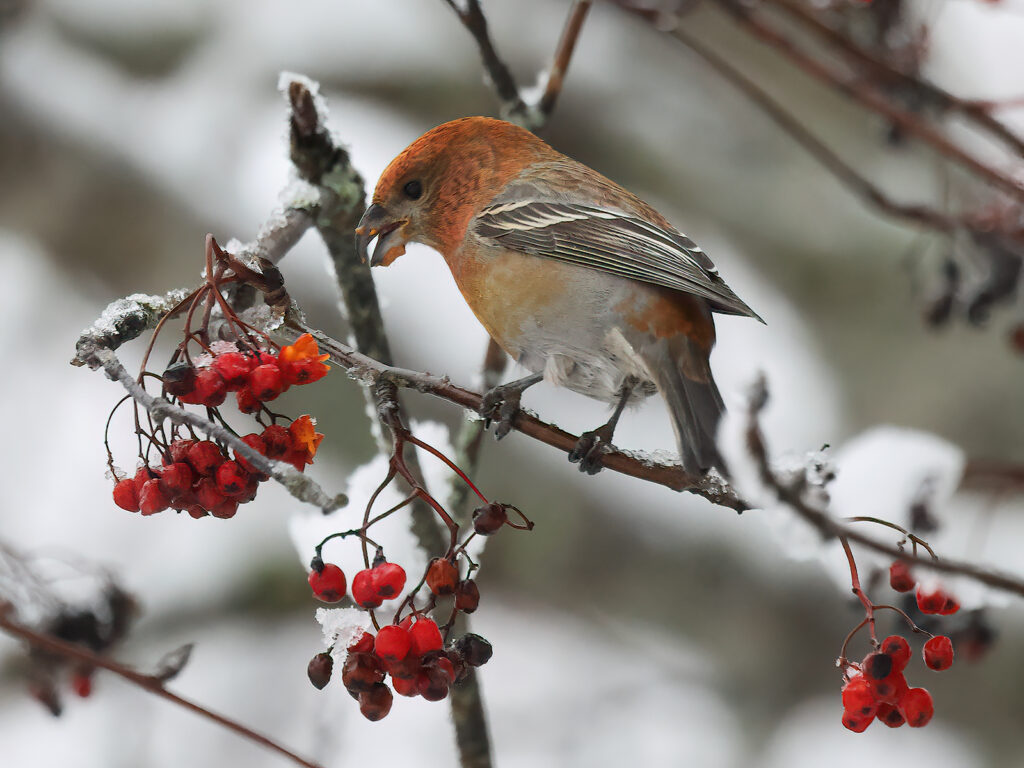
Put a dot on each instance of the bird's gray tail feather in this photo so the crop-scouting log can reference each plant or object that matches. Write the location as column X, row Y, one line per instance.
column 684, row 380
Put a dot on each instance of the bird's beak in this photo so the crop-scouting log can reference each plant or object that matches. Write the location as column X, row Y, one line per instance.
column 378, row 223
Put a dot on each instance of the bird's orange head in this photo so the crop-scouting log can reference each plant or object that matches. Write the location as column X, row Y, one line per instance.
column 429, row 193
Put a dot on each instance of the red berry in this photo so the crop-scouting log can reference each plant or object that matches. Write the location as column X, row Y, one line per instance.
column 364, row 643
column 876, row 666
column 177, row 478
column 917, row 707
column 329, row 584
column 225, row 510
column 231, row 478
column 432, row 683
column 142, row 476
column 247, row 402
column 488, row 519
column 265, row 382
column 950, row 607
column 890, row 715
column 178, row 450
column 210, row 389
column 152, row 498
column 425, row 636
column 900, row 578
column 81, row 684
column 856, row 723
column 319, row 670
column 388, row 579
column 858, row 698
column 361, row 672
column 233, row 367
column 938, row 653
column 205, row 457
column 363, row 591
column 405, row 686
column 890, row 689
column 375, row 703
column 931, row 601
column 255, row 442
column 125, row 496
column 392, row 643
column 277, row 440
column 898, row 649
column 208, row 496
column 467, row 596
column 442, row 576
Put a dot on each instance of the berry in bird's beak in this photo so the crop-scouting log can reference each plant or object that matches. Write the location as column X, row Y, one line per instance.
column 377, row 223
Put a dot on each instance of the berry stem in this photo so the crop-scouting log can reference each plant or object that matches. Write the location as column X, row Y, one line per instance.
column 869, row 608
column 451, row 465
column 915, row 540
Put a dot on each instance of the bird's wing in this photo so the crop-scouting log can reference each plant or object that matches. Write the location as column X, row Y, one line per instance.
column 610, row 241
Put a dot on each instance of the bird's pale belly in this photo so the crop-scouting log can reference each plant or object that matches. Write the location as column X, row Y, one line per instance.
column 559, row 319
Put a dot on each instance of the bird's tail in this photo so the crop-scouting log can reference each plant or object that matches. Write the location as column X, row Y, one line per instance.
column 683, row 376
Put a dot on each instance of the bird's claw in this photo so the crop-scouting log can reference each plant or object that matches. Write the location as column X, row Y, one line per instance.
column 500, row 405
column 590, row 449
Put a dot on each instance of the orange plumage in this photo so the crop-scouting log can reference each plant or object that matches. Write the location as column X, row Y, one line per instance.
column 575, row 277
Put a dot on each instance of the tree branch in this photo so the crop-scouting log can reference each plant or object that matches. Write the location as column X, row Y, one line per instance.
column 150, row 683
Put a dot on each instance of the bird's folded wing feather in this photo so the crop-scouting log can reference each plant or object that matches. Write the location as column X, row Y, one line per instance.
column 610, row 241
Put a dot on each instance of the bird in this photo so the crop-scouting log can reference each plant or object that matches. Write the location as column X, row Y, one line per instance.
column 580, row 281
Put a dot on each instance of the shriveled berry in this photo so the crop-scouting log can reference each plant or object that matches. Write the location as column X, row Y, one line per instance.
column 205, row 456
column 319, row 670
column 231, row 478
column 277, row 440
column 375, row 703
column 856, row 723
column 442, row 576
column 363, row 643
column 363, row 591
column 467, row 596
column 177, row 478
column 388, row 579
column 898, row 649
column 361, row 671
column 877, row 666
column 179, row 379
column 459, row 666
column 938, row 653
column 125, row 495
column 152, row 498
column 233, row 367
column 474, row 649
column 930, row 601
column 858, row 698
column 225, row 509
column 265, row 382
column 424, row 636
column 247, row 402
column 404, row 669
column 900, row 578
column 917, row 707
column 392, row 643
column 328, row 584
column 432, row 684
column 488, row 519
column 890, row 715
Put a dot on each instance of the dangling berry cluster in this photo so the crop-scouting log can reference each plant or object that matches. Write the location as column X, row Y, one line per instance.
column 202, row 478
column 411, row 649
column 933, row 599
column 877, row 689
column 413, row 653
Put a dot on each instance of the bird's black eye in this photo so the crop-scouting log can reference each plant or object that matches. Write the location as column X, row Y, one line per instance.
column 413, row 189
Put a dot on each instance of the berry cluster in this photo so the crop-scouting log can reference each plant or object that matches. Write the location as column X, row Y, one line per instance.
column 876, row 688
column 411, row 648
column 413, row 653
column 933, row 600
column 201, row 478
column 255, row 376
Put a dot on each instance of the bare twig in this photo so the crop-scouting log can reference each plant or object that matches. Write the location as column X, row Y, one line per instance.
column 833, row 529
column 151, row 683
column 563, row 55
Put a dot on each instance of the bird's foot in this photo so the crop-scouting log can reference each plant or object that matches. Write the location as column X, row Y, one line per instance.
column 500, row 405
column 590, row 449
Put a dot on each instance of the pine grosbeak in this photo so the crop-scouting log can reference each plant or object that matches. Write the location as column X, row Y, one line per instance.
column 580, row 281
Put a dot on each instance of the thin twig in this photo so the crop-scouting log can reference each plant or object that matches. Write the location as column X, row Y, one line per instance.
column 152, row 684
column 563, row 55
